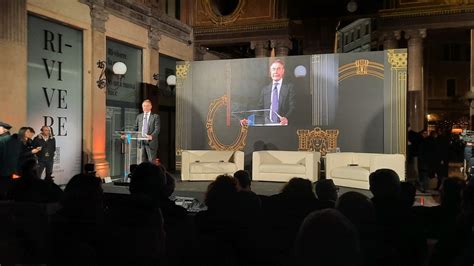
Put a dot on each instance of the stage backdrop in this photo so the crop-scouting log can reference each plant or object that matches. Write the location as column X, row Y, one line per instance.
column 360, row 94
column 55, row 90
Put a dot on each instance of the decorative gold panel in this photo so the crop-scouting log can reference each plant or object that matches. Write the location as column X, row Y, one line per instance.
column 361, row 67
column 214, row 142
column 317, row 140
column 397, row 60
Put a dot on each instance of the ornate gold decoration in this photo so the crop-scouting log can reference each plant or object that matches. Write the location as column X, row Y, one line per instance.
column 421, row 11
column 317, row 140
column 361, row 67
column 223, row 20
column 214, row 142
column 397, row 60
column 182, row 70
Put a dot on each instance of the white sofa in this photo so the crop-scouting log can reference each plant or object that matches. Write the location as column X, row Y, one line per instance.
column 207, row 165
column 281, row 166
column 350, row 169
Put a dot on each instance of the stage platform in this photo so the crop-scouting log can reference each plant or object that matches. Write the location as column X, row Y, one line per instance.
column 197, row 190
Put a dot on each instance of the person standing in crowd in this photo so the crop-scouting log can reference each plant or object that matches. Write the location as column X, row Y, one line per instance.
column 9, row 153
column 27, row 150
column 8, row 156
column 47, row 142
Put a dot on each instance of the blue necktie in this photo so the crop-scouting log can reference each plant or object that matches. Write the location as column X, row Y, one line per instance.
column 145, row 125
column 274, row 109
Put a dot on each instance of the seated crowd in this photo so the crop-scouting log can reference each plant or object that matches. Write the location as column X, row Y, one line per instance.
column 304, row 224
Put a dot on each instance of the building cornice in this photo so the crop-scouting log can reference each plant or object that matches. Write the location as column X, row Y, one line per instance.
column 423, row 11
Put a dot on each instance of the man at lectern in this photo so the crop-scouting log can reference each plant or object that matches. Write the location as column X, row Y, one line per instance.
column 278, row 96
column 149, row 125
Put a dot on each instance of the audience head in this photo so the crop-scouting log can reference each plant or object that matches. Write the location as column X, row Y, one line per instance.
column 407, row 194
column 243, row 180
column 4, row 127
column 384, row 183
column 46, row 131
column 148, row 180
column 89, row 169
column 24, row 134
column 451, row 192
column 326, row 189
column 357, row 208
column 84, row 193
column 133, row 167
column 328, row 238
column 298, row 188
column 221, row 193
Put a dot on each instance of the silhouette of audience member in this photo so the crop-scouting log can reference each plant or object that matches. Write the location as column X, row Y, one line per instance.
column 136, row 223
column 326, row 191
column 77, row 227
column 327, row 238
column 441, row 220
column 407, row 194
column 283, row 215
column 391, row 215
column 360, row 211
column 30, row 188
column 9, row 155
column 249, row 202
column 243, row 180
column 89, row 169
column 457, row 247
column 218, row 226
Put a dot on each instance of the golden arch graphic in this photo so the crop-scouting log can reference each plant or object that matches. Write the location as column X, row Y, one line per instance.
column 361, row 67
column 214, row 143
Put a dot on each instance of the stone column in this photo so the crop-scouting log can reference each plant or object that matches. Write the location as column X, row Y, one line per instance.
column 98, row 106
column 282, row 46
column 13, row 67
column 415, row 96
column 471, row 110
column 261, row 48
column 153, row 43
column 390, row 39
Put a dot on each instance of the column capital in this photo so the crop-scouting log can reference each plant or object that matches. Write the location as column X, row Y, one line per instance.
column 415, row 34
column 284, row 43
column 98, row 16
column 261, row 48
column 154, row 37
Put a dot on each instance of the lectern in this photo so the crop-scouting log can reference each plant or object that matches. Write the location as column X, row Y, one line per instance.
column 130, row 137
column 258, row 117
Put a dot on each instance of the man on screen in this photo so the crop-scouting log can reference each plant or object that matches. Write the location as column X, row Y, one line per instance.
column 278, row 96
column 149, row 125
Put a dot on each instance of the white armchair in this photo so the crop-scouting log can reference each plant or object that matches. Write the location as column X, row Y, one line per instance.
column 281, row 166
column 350, row 169
column 207, row 165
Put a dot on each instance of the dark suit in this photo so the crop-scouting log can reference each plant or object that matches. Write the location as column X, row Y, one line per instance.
column 149, row 147
column 286, row 100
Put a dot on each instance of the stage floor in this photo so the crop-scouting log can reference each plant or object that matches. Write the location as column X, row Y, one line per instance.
column 197, row 189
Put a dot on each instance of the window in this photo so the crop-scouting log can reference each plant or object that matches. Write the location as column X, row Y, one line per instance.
column 173, row 8
column 358, row 33
column 451, row 87
column 367, row 29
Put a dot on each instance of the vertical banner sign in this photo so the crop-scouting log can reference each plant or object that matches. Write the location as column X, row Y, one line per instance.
column 55, row 90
